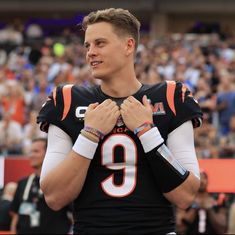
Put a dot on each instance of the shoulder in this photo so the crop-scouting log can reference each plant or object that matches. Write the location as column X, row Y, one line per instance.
column 59, row 103
column 174, row 104
column 21, row 184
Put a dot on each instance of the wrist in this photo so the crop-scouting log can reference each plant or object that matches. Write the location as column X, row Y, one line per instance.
column 99, row 134
column 143, row 128
column 85, row 147
column 151, row 139
column 90, row 136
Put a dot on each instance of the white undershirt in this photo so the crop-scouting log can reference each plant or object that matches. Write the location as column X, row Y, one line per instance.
column 180, row 142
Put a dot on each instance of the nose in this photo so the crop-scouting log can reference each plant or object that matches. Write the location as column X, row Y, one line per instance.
column 91, row 51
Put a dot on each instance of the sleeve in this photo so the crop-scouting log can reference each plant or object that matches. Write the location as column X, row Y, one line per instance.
column 182, row 104
column 56, row 108
column 183, row 148
column 59, row 144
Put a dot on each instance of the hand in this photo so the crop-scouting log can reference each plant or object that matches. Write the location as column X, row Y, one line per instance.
column 102, row 117
column 134, row 113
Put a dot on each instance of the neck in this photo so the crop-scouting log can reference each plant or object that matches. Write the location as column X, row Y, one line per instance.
column 121, row 86
column 37, row 171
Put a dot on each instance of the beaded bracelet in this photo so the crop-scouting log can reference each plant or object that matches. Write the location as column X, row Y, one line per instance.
column 94, row 131
column 90, row 136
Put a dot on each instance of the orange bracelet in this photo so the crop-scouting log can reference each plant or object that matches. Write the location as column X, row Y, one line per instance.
column 143, row 128
column 147, row 128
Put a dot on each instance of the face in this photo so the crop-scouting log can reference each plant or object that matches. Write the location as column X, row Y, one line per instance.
column 107, row 53
column 37, row 154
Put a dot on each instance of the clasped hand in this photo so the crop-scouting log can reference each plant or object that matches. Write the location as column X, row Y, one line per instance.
column 104, row 116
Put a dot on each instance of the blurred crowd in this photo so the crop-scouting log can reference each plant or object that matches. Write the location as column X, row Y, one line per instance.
column 32, row 64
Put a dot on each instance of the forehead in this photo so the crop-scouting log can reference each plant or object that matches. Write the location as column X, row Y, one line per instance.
column 99, row 30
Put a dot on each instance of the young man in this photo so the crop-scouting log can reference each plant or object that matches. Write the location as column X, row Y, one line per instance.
column 122, row 151
column 30, row 213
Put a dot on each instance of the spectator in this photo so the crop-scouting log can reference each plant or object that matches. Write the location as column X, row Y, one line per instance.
column 5, row 202
column 206, row 215
column 31, row 131
column 14, row 102
column 227, row 143
column 11, row 135
column 31, row 215
column 41, row 92
column 225, row 103
column 206, row 140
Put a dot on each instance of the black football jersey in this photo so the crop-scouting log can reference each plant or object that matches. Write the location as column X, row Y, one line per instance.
column 120, row 195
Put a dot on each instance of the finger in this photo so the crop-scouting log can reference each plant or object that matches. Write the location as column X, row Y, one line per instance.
column 117, row 114
column 145, row 101
column 92, row 106
column 132, row 99
column 122, row 112
column 115, row 108
column 106, row 102
column 123, row 106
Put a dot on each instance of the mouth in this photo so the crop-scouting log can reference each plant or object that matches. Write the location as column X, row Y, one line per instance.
column 95, row 64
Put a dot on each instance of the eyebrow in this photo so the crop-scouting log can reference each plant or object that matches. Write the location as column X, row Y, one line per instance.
column 96, row 40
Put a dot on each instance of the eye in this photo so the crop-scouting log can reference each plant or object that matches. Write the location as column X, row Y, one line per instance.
column 100, row 43
column 87, row 46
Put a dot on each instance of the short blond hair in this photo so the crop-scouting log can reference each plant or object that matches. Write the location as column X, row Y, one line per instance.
column 123, row 22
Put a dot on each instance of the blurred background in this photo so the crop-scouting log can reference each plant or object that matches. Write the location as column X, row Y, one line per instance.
column 41, row 46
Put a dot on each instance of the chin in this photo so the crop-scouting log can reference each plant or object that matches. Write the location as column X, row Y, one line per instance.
column 99, row 75
column 96, row 75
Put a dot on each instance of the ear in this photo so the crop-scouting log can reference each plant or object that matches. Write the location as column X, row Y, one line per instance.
column 130, row 46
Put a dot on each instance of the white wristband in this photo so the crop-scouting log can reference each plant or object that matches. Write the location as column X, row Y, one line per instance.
column 85, row 147
column 151, row 139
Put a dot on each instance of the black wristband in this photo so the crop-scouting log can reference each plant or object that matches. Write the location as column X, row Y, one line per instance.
column 166, row 170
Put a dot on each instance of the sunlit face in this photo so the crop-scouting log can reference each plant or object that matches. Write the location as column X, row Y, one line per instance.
column 107, row 52
column 37, row 154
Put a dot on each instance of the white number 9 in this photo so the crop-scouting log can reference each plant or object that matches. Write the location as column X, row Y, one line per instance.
column 128, row 166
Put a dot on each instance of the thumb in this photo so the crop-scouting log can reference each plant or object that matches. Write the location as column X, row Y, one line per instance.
column 145, row 101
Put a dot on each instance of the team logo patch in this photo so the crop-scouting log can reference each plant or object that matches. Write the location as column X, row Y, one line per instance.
column 158, row 109
column 80, row 112
column 119, row 121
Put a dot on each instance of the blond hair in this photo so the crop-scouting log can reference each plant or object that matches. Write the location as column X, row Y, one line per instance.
column 123, row 22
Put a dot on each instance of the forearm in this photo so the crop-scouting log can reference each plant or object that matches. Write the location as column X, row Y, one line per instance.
column 64, row 170
column 174, row 168
column 14, row 222
column 64, row 183
column 178, row 184
column 184, row 194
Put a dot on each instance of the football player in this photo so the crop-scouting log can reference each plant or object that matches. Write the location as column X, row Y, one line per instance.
column 122, row 151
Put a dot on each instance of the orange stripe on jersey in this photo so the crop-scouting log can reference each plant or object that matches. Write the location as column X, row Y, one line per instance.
column 54, row 95
column 170, row 93
column 184, row 89
column 67, row 99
